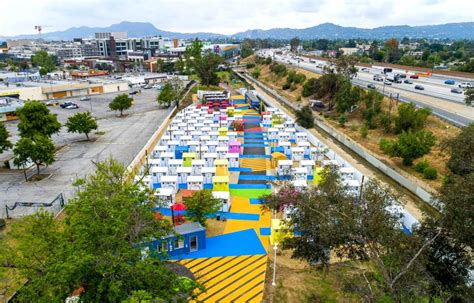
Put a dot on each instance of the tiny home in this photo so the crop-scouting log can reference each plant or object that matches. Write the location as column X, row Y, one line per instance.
column 289, row 124
column 235, row 147
column 191, row 237
column 330, row 163
column 352, row 186
column 197, row 165
column 284, row 168
column 188, row 158
column 267, row 120
column 172, row 146
column 208, row 173
column 309, row 165
column 272, row 134
column 214, row 127
column 165, row 197
column 224, row 196
column 165, row 158
column 213, row 135
column 221, row 151
column 233, row 159
column 232, row 136
column 292, row 133
column 180, row 150
column 301, row 137
column 283, row 137
column 196, row 135
column 347, row 173
column 183, row 174
column 220, row 183
column 157, row 172
column 185, row 139
column 173, row 165
column 297, row 153
column 223, row 141
column 193, row 146
column 300, row 173
column 212, row 145
column 158, row 150
column 195, row 182
column 306, row 146
column 210, row 158
column 222, row 167
column 170, row 182
column 300, row 185
column 286, row 148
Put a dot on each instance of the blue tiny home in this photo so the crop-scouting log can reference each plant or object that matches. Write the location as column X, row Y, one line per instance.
column 180, row 150
column 191, row 237
column 252, row 100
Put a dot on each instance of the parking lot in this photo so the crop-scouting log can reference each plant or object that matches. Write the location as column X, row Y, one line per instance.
column 119, row 137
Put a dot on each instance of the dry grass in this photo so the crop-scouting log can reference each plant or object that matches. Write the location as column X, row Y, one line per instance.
column 214, row 228
column 442, row 131
column 298, row 282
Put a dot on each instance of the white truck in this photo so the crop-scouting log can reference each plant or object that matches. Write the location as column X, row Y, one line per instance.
column 392, row 77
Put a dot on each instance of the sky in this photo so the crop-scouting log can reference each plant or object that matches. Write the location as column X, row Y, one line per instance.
column 227, row 16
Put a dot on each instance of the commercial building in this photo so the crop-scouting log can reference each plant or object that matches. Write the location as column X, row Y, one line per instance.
column 8, row 107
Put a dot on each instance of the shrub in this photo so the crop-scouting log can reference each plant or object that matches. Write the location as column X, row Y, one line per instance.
column 268, row 60
column 364, row 131
column 421, row 166
column 353, row 127
column 409, row 146
column 385, row 122
column 298, row 99
column 410, row 117
column 430, row 173
column 278, row 69
column 342, row 119
column 304, row 117
column 250, row 65
column 310, row 87
column 286, row 86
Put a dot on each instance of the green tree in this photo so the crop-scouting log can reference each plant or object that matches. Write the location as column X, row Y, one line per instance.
column 469, row 95
column 166, row 96
column 330, row 223
column 304, row 117
column 39, row 150
column 343, row 65
column 256, row 72
column 393, row 52
column 373, row 107
column 201, row 205
column 44, row 61
column 4, row 142
column 99, row 246
column 246, row 48
column 294, row 43
column 206, row 68
column 36, row 119
column 409, row 146
column 328, row 86
column 410, row 117
column 82, row 123
column 461, row 147
column 347, row 97
column 121, row 103
column 310, row 87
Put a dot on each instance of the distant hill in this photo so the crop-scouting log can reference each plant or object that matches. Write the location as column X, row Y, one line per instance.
column 463, row 30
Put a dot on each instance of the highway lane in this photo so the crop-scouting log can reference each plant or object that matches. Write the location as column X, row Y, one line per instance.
column 447, row 107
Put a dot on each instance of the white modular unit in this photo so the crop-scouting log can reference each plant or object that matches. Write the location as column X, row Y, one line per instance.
column 283, row 136
column 158, row 150
column 289, row 123
column 300, row 173
column 197, row 165
column 204, row 139
column 352, row 186
column 195, row 182
column 286, row 147
column 165, row 158
column 214, row 135
column 176, row 135
column 173, row 166
column 224, row 196
column 272, row 134
column 292, row 133
column 214, row 127
column 165, row 196
column 212, row 145
column 297, row 153
column 230, row 121
column 330, row 163
column 223, row 141
column 301, row 137
column 208, row 173
column 183, row 174
column 306, row 146
column 170, row 182
column 284, row 167
column 221, row 152
column 347, row 173
column 232, row 136
column 157, row 173
column 184, row 140
column 267, row 120
column 199, row 126
column 300, row 185
column 196, row 135
column 210, row 158
column 206, row 130
column 309, row 165
column 172, row 146
column 193, row 146
column 233, row 159
column 154, row 162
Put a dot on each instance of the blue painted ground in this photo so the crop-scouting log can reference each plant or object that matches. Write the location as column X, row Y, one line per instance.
column 240, row 243
column 256, row 141
column 265, row 231
column 250, row 186
column 240, row 169
column 254, row 145
column 255, row 201
column 229, row 216
column 257, row 177
column 255, row 156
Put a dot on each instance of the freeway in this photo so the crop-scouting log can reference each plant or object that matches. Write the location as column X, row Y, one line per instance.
column 436, row 95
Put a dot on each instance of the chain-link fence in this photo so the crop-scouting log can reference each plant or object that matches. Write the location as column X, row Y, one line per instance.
column 20, row 209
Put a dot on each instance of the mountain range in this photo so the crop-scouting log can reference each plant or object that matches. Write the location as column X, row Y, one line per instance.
column 464, row 30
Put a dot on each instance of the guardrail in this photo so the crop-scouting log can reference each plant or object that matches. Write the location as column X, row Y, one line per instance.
column 416, row 189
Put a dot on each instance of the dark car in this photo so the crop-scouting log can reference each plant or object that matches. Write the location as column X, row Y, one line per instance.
column 402, row 76
column 69, row 105
column 407, row 81
column 133, row 93
column 456, row 90
column 419, row 87
column 414, row 77
column 371, row 86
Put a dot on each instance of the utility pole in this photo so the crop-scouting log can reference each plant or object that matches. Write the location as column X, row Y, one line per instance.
column 274, row 264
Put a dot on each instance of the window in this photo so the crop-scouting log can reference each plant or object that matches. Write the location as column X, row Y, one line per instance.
column 178, row 243
column 164, row 246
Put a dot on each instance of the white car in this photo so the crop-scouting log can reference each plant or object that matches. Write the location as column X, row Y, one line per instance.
column 386, row 82
column 465, row 85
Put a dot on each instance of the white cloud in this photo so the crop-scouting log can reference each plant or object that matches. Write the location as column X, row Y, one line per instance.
column 227, row 16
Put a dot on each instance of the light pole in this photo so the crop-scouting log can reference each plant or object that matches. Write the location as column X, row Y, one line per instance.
column 274, row 264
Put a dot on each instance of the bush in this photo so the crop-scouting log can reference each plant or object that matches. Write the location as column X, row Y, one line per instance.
column 421, row 166
column 364, row 131
column 342, row 119
column 310, row 87
column 304, row 117
column 410, row 117
column 385, row 122
column 298, row 99
column 250, row 65
column 278, row 69
column 430, row 173
column 409, row 146
column 268, row 60
column 286, row 86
